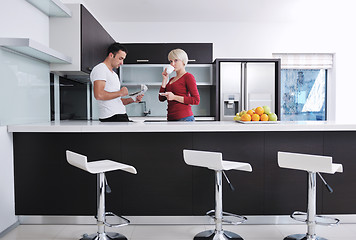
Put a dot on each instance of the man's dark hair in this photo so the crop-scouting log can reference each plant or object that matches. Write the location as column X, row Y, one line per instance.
column 115, row 47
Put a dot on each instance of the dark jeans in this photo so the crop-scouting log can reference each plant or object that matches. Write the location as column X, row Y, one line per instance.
column 116, row 118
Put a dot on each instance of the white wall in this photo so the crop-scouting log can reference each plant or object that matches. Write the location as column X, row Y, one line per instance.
column 18, row 18
column 7, row 204
column 311, row 26
column 20, row 78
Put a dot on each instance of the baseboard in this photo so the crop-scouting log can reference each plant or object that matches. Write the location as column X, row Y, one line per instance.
column 202, row 220
column 13, row 226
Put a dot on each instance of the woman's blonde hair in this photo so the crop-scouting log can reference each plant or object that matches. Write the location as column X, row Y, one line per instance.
column 178, row 54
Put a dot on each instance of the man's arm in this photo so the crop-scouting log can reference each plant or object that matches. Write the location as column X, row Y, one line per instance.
column 126, row 101
column 101, row 94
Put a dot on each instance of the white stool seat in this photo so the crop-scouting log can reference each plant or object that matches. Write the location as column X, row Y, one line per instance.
column 213, row 160
column 80, row 161
column 306, row 162
column 313, row 164
column 99, row 168
column 229, row 165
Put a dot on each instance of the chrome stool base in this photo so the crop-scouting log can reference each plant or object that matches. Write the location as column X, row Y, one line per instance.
column 303, row 237
column 214, row 235
column 104, row 236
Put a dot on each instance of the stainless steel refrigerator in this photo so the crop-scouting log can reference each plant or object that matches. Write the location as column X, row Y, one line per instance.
column 243, row 84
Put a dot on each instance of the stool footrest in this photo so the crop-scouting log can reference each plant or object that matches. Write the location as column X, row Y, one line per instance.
column 239, row 219
column 321, row 220
column 125, row 220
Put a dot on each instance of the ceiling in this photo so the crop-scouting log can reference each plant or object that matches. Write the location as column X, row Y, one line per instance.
column 190, row 10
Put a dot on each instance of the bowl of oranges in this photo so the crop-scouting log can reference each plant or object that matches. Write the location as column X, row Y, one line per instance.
column 256, row 115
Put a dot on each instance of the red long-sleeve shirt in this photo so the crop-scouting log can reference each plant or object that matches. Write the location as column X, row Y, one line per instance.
column 186, row 87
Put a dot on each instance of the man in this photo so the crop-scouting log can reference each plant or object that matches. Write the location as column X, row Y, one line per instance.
column 106, row 85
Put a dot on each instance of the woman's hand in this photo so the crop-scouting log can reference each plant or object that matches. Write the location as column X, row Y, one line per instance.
column 169, row 95
column 165, row 78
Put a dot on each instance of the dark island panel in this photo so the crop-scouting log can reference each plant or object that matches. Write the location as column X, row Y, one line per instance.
column 163, row 184
column 286, row 189
column 45, row 184
column 341, row 146
column 247, row 198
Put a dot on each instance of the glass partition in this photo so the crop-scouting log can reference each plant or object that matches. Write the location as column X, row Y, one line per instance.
column 25, row 89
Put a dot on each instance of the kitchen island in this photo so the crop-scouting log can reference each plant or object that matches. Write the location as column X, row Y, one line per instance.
column 45, row 184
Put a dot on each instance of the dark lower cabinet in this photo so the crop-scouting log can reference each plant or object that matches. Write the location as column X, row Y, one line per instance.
column 248, row 195
column 163, row 184
column 45, row 184
column 341, row 146
column 286, row 189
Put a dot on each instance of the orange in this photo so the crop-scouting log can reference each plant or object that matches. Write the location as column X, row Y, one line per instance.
column 246, row 117
column 255, row 117
column 250, row 112
column 259, row 110
column 264, row 117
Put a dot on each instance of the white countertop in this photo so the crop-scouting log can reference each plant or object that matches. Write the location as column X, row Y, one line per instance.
column 198, row 126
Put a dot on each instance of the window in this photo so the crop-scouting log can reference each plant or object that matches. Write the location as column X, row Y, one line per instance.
column 304, row 86
column 303, row 94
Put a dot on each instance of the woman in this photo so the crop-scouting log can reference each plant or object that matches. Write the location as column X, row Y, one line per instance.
column 181, row 91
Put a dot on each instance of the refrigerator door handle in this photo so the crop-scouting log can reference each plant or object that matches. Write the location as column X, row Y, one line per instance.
column 244, row 86
column 242, row 94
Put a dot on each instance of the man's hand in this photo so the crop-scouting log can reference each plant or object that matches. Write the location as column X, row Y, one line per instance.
column 123, row 91
column 138, row 98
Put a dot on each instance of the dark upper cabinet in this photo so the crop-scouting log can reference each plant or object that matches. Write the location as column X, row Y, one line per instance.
column 145, row 53
column 197, row 52
column 95, row 41
column 157, row 53
column 81, row 37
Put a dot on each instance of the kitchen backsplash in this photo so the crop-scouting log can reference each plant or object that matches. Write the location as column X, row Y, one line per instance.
column 152, row 107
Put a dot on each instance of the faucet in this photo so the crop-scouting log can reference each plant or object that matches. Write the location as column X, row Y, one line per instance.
column 145, row 111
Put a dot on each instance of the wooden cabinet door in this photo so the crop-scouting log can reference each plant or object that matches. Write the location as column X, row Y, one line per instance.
column 95, row 41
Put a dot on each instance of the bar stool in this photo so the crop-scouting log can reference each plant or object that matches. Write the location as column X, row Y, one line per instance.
column 213, row 161
column 313, row 164
column 99, row 168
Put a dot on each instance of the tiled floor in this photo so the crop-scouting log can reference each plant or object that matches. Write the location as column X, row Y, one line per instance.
column 177, row 232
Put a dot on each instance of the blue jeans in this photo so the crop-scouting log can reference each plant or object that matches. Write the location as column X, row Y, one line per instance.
column 187, row 119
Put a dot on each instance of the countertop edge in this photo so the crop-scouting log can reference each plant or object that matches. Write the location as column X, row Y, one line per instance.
column 218, row 126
